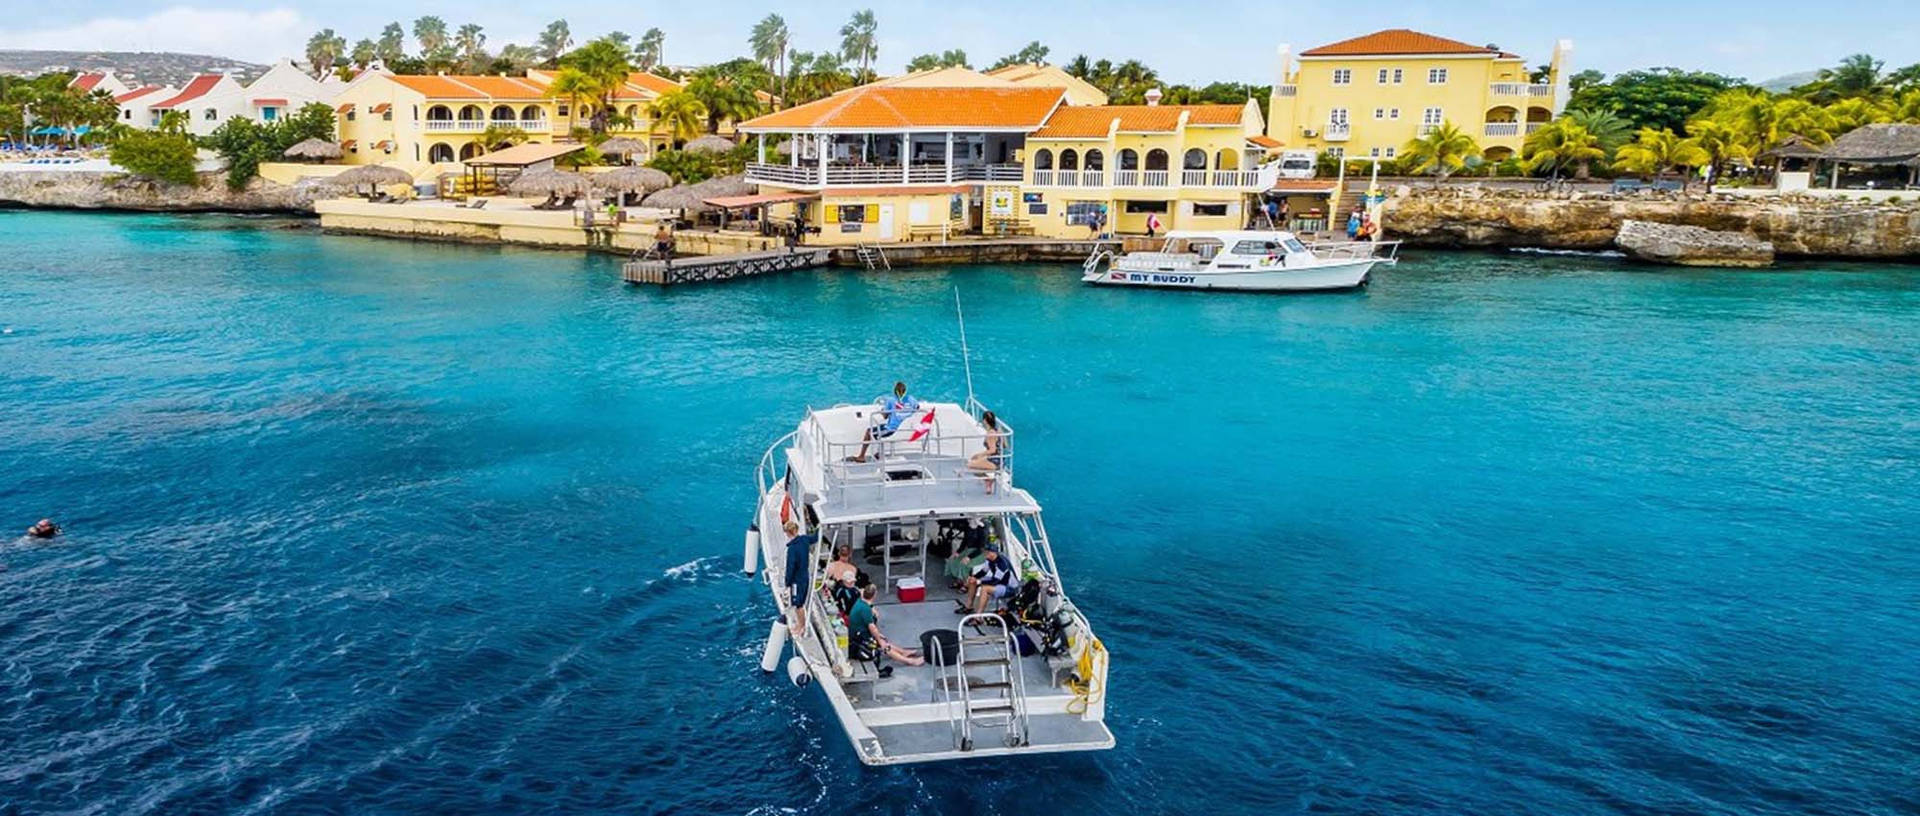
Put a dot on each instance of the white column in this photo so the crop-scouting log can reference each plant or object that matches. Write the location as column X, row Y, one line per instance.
column 793, row 149
column 949, row 157
column 906, row 158
column 760, row 148
column 822, row 138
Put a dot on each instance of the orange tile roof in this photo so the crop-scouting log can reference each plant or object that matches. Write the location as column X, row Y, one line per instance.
column 449, row 86
column 1259, row 140
column 85, row 82
column 199, row 87
column 880, row 107
column 652, row 83
column 1396, row 41
column 380, row 108
column 136, row 93
column 1093, row 121
column 344, row 108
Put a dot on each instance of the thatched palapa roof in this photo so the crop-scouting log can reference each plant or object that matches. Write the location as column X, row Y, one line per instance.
column 1792, row 147
column 709, row 144
column 622, row 146
column 375, row 174
column 549, row 182
column 692, row 197
column 1877, row 144
column 631, row 180
column 319, row 149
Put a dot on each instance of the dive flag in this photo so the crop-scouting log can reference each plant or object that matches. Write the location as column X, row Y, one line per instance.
column 922, row 426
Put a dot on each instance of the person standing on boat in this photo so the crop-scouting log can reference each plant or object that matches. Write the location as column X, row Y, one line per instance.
column 1353, row 224
column 893, row 411
column 798, row 572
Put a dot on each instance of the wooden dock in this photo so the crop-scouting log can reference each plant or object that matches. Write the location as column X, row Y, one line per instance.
column 709, row 268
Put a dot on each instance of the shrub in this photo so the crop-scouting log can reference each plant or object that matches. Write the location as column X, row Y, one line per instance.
column 684, row 166
column 245, row 143
column 155, row 154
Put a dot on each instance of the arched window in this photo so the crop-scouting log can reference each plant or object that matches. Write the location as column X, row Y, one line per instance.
column 439, row 113
column 471, row 113
column 469, row 150
column 1195, row 159
column 1129, row 160
column 502, row 113
column 1156, row 159
column 440, row 153
column 1226, row 160
column 633, row 112
column 212, row 115
column 1069, row 160
column 1043, row 159
column 1095, row 161
column 531, row 112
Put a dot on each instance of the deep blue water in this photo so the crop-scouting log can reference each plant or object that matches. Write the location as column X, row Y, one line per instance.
column 366, row 526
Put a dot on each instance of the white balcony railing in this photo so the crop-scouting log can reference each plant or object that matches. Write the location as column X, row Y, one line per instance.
column 1520, row 89
column 1339, row 131
column 1498, row 129
column 1286, row 90
column 1533, row 126
column 808, row 174
column 1126, row 178
column 1092, row 178
column 1067, row 178
column 1539, row 90
column 1154, row 178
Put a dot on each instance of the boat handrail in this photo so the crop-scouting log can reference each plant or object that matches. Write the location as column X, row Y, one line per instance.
column 1355, row 250
column 937, row 444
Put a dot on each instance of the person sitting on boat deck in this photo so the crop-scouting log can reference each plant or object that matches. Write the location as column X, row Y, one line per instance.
column 843, row 565
column 993, row 455
column 893, row 411
column 799, row 552
column 44, row 528
column 992, row 579
column 866, row 642
column 844, row 594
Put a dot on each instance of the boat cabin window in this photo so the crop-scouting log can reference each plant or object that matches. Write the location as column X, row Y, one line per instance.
column 1294, row 245
column 1256, row 248
column 1206, row 248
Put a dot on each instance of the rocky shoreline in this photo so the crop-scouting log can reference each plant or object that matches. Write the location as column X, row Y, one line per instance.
column 93, row 190
column 1797, row 226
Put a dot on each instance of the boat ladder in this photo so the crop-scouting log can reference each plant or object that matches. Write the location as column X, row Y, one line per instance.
column 1093, row 260
column 991, row 701
column 873, row 256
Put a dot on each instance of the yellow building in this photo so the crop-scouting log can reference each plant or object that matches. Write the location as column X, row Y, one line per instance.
column 1370, row 95
column 913, row 160
column 415, row 122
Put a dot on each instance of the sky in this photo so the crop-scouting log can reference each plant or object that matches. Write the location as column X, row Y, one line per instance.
column 1227, row 40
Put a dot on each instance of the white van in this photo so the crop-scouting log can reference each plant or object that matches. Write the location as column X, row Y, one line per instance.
column 1297, row 164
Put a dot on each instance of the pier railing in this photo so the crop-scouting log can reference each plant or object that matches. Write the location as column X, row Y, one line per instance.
column 810, row 175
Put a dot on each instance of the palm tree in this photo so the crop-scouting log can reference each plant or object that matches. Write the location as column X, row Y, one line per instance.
column 431, row 33
column 572, row 85
column 1608, row 127
column 1858, row 75
column 1560, row 144
column 859, row 43
column 1855, row 111
column 604, row 63
column 1907, row 109
column 497, row 136
column 1722, row 143
column 553, row 42
column 1657, row 151
column 392, row 44
column 364, row 53
column 1079, row 66
column 652, row 49
column 723, row 97
column 323, row 48
column 952, row 58
column 1440, row 151
column 769, row 41
column 679, row 115
column 471, row 43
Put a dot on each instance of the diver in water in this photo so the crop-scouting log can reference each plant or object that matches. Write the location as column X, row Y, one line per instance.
column 45, row 528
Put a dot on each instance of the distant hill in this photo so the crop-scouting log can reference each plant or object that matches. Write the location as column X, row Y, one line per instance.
column 1790, row 81
column 135, row 67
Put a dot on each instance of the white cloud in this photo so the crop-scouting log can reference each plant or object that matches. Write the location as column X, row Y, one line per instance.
column 254, row 36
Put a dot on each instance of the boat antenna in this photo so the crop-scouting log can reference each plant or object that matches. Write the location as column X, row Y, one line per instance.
column 966, row 357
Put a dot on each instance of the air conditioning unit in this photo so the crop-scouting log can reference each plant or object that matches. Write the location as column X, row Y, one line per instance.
column 1309, row 132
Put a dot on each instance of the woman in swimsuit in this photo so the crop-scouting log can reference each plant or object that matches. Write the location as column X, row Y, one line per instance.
column 993, row 455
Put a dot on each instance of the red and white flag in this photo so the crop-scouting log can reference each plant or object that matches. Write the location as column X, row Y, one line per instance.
column 922, row 426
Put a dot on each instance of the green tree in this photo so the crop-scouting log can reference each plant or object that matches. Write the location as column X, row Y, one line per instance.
column 154, row 154
column 431, row 33
column 685, row 167
column 1721, row 141
column 952, row 58
column 323, row 49
column 498, row 135
column 391, row 46
column 1661, row 98
column 1854, row 111
column 554, row 41
column 572, row 85
column 1032, row 53
column 860, row 42
column 1439, row 151
column 364, row 53
column 723, row 97
column 815, row 76
column 1606, row 126
column 604, row 63
column 1657, row 151
column 1856, row 76
column 651, row 50
column 679, row 115
column 1561, row 144
column 770, row 42
column 516, row 59
column 470, row 42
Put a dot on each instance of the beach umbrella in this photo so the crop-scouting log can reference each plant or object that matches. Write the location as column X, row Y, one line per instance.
column 709, row 144
column 549, row 182
column 623, row 146
column 631, row 180
column 374, row 174
column 317, row 149
column 726, row 187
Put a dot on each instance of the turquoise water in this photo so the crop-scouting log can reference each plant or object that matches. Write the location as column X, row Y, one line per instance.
column 380, row 527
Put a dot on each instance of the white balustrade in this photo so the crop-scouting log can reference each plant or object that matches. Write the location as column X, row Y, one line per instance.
column 1503, row 129
column 1154, row 178
column 1126, row 178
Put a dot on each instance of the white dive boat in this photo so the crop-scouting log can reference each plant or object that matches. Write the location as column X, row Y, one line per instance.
column 904, row 511
column 1243, row 260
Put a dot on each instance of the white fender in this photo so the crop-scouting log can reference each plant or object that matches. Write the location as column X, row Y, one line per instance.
column 753, row 549
column 797, row 671
column 776, row 642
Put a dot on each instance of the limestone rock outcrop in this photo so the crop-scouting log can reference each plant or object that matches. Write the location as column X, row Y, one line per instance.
column 120, row 191
column 1691, row 246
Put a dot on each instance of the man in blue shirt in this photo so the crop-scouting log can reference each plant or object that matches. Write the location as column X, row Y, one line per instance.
column 893, row 411
column 799, row 551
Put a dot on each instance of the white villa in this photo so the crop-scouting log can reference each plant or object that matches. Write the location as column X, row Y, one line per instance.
column 211, row 99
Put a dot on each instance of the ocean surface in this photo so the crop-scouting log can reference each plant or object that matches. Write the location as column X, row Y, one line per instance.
column 369, row 526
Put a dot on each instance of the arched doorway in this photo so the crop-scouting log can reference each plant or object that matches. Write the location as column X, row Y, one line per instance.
column 439, row 113
column 502, row 114
column 1227, row 159
column 1156, row 159
column 440, row 153
column 472, row 113
column 469, row 150
column 1069, row 160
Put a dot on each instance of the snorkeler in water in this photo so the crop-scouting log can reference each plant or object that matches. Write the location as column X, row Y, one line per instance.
column 44, row 528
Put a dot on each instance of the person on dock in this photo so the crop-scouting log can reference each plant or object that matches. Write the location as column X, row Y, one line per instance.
column 1153, row 224
column 1353, row 224
column 663, row 242
column 893, row 411
column 44, row 528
